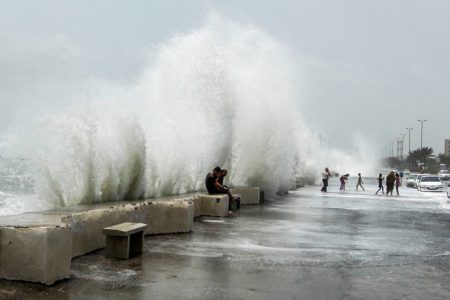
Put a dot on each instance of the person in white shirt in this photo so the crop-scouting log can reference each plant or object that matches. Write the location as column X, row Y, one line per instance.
column 325, row 176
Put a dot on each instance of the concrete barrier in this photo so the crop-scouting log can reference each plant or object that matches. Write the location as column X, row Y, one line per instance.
column 39, row 252
column 39, row 246
column 214, row 205
column 249, row 195
column 174, row 216
column 170, row 217
column 197, row 206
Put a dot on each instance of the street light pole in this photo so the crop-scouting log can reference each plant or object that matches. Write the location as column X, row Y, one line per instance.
column 403, row 142
column 392, row 148
column 398, row 147
column 409, row 139
column 409, row 145
column 421, row 132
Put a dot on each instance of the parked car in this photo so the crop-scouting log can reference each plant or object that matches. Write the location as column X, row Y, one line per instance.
column 417, row 180
column 410, row 179
column 444, row 175
column 430, row 183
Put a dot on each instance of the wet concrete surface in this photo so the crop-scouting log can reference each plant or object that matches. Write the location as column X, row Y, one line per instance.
column 306, row 245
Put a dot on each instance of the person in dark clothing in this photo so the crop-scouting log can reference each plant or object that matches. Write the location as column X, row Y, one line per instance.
column 221, row 177
column 390, row 181
column 380, row 184
column 211, row 182
column 214, row 187
column 236, row 200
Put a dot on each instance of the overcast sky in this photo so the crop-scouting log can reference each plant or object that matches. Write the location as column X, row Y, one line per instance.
column 372, row 67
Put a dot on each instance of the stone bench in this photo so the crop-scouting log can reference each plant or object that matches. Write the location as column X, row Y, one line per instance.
column 124, row 240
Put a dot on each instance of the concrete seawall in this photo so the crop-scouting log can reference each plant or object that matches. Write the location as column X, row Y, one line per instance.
column 161, row 216
column 35, row 249
column 39, row 246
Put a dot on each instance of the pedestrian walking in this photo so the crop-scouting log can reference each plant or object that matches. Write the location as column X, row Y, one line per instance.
column 390, row 182
column 325, row 175
column 360, row 182
column 397, row 183
column 380, row 184
column 343, row 181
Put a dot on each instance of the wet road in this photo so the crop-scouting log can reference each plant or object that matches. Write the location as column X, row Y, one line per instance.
column 307, row 245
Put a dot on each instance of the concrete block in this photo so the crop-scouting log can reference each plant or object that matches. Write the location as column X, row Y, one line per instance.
column 249, row 195
column 197, row 201
column 214, row 205
column 169, row 216
column 38, row 254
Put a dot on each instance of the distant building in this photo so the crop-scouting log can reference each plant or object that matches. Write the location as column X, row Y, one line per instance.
column 447, row 147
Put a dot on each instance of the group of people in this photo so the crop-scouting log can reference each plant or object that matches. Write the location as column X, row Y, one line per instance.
column 393, row 179
column 214, row 185
column 344, row 178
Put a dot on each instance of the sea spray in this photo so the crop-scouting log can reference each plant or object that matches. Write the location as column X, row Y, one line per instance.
column 225, row 94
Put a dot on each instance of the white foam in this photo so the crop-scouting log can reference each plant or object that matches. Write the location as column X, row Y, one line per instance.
column 225, row 94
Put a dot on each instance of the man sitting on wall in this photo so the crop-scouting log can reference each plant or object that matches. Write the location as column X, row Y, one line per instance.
column 221, row 177
column 213, row 185
column 236, row 200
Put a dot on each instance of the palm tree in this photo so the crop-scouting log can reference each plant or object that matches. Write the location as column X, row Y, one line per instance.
column 420, row 154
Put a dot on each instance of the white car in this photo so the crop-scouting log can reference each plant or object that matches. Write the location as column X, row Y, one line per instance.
column 430, row 183
column 417, row 180
column 410, row 179
column 444, row 175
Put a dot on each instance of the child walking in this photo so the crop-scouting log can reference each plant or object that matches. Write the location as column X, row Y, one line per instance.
column 380, row 184
column 360, row 182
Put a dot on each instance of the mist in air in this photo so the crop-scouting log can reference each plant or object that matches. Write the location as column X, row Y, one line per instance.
column 226, row 94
